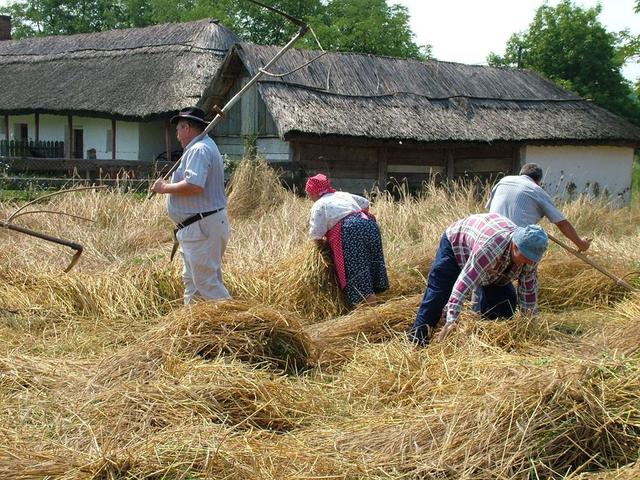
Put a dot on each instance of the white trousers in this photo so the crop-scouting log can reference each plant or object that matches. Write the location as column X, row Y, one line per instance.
column 202, row 245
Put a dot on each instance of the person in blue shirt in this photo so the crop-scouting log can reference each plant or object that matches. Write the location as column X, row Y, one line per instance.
column 197, row 205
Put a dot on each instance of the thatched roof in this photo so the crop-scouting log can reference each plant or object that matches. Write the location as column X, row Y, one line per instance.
column 137, row 73
column 389, row 98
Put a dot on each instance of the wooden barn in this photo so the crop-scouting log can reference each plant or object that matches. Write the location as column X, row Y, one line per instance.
column 106, row 95
column 367, row 120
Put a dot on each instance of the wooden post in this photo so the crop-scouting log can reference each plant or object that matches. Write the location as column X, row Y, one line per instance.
column 37, row 128
column 113, row 139
column 515, row 163
column 382, row 168
column 450, row 165
column 167, row 138
column 70, row 137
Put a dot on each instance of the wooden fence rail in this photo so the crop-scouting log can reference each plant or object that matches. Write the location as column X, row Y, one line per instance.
column 29, row 148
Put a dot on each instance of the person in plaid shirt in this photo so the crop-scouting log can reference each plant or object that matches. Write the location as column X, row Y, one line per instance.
column 486, row 251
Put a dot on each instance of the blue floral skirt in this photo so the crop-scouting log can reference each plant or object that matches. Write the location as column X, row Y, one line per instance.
column 364, row 266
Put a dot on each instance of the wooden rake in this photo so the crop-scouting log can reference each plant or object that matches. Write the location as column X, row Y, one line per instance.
column 586, row 259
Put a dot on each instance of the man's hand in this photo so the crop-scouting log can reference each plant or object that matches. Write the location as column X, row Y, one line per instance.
column 448, row 328
column 584, row 244
column 159, row 186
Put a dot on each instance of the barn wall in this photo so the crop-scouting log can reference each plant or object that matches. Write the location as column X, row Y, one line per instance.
column 249, row 124
column 358, row 167
column 593, row 170
column 351, row 168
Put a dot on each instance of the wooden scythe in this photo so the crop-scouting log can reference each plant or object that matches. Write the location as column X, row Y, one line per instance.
column 77, row 247
column 220, row 112
column 43, row 236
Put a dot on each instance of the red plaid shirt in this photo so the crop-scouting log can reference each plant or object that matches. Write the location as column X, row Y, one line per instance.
column 481, row 245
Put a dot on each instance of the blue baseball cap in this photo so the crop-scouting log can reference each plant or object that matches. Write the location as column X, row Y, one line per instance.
column 532, row 241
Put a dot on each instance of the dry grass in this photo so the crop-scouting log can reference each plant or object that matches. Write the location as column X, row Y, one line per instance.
column 105, row 375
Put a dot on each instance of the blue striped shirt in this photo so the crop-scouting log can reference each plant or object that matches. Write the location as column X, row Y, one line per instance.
column 201, row 165
column 522, row 201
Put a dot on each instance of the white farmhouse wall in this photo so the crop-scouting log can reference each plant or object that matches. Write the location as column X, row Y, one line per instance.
column 18, row 119
column 94, row 135
column 152, row 140
column 127, row 140
column 53, row 128
column 570, row 171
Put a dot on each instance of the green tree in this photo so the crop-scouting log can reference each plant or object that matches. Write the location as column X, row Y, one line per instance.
column 569, row 45
column 368, row 26
column 66, row 17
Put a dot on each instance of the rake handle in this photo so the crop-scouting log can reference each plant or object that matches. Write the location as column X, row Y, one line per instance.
column 586, row 259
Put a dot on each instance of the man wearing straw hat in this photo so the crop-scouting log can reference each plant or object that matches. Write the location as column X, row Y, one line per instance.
column 484, row 251
column 522, row 200
column 197, row 205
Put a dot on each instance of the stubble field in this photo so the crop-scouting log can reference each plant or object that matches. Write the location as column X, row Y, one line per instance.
column 105, row 375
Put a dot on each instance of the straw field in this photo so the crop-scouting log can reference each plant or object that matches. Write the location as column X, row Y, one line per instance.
column 104, row 374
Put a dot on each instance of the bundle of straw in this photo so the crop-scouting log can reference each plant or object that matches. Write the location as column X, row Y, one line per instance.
column 567, row 282
column 231, row 328
column 254, row 189
column 337, row 339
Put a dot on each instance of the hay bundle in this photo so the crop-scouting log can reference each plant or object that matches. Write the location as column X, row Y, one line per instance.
column 231, row 328
column 229, row 393
column 495, row 416
column 254, row 189
column 567, row 282
column 24, row 460
column 303, row 283
column 336, row 339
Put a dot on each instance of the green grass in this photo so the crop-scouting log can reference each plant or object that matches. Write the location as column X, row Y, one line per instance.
column 18, row 195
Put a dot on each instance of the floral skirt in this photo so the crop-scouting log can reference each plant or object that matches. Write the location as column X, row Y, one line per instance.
column 356, row 246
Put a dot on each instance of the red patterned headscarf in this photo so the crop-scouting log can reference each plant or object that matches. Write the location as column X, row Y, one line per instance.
column 318, row 184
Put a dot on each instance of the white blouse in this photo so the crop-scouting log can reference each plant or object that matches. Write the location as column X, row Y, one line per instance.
column 330, row 209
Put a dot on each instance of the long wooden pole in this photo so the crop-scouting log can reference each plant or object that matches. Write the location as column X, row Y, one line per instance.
column 586, row 259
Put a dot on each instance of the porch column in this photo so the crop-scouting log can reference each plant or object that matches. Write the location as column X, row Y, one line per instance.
column 113, row 139
column 70, row 137
column 37, row 128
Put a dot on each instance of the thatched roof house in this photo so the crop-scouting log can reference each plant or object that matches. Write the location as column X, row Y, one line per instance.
column 412, row 113
column 387, row 98
column 131, row 75
column 136, row 73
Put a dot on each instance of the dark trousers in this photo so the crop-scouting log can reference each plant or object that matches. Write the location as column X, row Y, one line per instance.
column 493, row 300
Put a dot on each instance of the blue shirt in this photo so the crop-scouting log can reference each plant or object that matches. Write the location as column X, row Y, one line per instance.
column 522, row 201
column 201, row 165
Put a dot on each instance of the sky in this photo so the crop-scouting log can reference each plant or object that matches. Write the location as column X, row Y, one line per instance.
column 466, row 31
